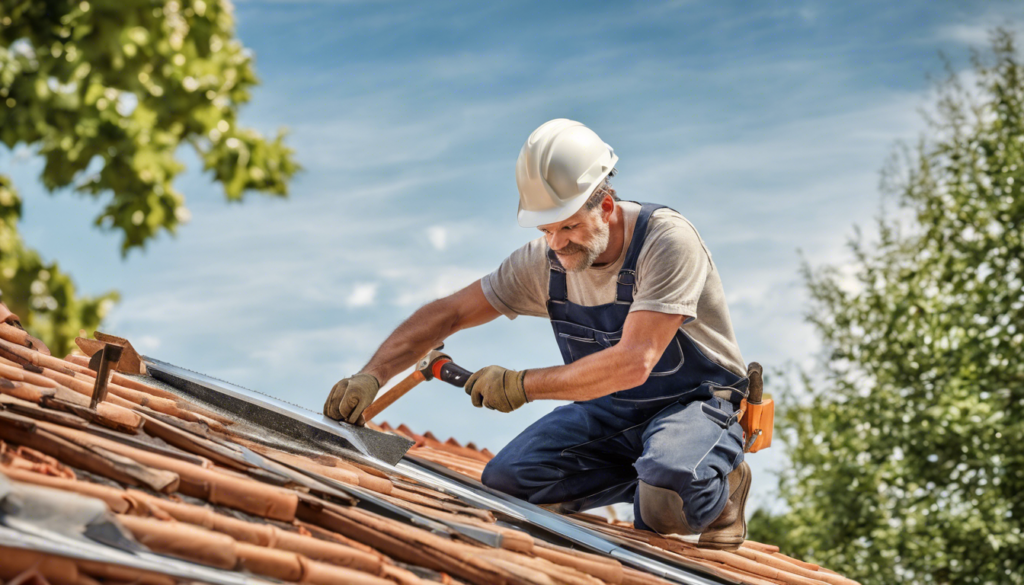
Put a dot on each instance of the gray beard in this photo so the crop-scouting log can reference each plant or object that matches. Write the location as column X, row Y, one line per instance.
column 590, row 253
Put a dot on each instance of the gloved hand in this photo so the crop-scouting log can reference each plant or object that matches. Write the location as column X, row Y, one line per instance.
column 497, row 388
column 350, row 397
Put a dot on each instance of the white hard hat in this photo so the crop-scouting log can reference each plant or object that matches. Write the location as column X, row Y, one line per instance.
column 559, row 167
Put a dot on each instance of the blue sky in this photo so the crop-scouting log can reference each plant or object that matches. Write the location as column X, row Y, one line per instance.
column 765, row 123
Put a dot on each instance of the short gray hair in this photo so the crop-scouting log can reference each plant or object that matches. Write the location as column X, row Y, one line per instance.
column 599, row 194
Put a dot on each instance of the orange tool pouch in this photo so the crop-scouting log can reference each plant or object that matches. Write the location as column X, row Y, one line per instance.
column 757, row 421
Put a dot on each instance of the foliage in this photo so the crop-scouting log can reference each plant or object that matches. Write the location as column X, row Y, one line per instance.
column 907, row 464
column 39, row 292
column 106, row 91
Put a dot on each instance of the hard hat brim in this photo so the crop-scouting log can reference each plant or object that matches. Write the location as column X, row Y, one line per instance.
column 530, row 219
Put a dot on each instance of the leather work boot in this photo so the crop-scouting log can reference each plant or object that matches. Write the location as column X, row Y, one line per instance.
column 662, row 510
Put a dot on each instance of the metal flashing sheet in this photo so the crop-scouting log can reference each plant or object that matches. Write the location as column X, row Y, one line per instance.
column 260, row 410
column 632, row 554
column 318, row 433
column 46, row 541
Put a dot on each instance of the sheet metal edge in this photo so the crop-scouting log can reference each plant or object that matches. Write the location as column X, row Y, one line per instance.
column 251, row 406
column 60, row 545
column 553, row 522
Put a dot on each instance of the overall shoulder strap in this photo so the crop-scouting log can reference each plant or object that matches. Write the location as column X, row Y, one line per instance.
column 558, row 292
column 626, row 282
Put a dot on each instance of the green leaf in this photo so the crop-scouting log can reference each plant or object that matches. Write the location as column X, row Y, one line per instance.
column 906, row 465
column 127, row 84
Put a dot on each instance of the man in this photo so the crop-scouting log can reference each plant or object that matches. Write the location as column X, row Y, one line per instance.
column 651, row 361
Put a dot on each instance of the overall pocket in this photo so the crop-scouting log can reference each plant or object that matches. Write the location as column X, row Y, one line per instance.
column 582, row 341
column 717, row 415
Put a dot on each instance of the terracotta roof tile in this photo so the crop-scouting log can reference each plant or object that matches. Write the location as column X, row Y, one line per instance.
column 15, row 334
column 6, row 316
column 16, row 562
column 116, row 574
column 26, row 432
column 31, row 460
column 106, row 413
column 214, row 485
column 14, row 372
column 203, row 499
column 340, row 471
column 451, row 446
column 183, row 540
column 82, row 363
column 602, row 568
column 114, row 498
column 130, row 360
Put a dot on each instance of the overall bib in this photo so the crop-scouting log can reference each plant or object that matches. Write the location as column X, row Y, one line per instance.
column 678, row 430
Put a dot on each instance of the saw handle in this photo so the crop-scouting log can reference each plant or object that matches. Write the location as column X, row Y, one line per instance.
column 446, row 371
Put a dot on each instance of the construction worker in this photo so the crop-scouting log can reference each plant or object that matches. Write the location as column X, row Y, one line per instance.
column 651, row 362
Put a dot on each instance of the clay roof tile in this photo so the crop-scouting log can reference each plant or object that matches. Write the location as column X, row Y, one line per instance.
column 277, row 531
column 59, row 571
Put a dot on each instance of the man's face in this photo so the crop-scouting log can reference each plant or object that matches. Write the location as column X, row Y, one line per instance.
column 579, row 240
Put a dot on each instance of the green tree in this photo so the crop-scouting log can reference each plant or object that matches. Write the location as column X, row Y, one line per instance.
column 106, row 91
column 907, row 464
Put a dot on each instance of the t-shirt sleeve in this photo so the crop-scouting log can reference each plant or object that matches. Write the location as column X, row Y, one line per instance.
column 672, row 268
column 519, row 285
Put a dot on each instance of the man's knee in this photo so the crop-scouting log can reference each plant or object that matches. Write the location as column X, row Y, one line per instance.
column 690, row 504
column 692, row 480
column 500, row 474
column 523, row 477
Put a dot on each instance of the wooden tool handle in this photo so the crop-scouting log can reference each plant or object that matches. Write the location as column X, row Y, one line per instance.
column 397, row 391
column 756, row 388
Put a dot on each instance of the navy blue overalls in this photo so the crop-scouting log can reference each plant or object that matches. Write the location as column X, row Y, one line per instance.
column 678, row 430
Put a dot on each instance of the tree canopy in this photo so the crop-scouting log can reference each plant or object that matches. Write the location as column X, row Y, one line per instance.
column 907, row 464
column 106, row 91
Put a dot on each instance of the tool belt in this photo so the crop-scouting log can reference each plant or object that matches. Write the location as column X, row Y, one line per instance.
column 757, row 413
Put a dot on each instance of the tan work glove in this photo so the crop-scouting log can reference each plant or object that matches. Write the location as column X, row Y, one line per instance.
column 350, row 397
column 497, row 388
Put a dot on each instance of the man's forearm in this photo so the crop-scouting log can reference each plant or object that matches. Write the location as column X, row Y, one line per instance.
column 426, row 329
column 609, row 370
column 645, row 335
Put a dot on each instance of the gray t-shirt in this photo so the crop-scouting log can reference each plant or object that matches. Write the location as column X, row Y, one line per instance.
column 675, row 275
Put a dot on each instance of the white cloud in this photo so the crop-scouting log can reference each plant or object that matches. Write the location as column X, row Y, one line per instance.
column 975, row 31
column 146, row 343
column 298, row 349
column 430, row 284
column 362, row 295
column 969, row 34
column 807, row 13
column 438, row 237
